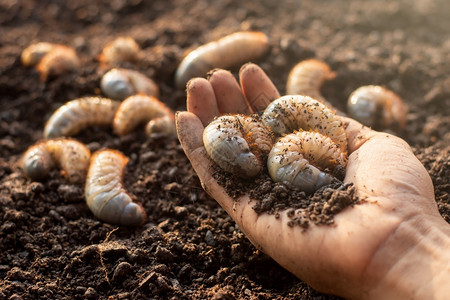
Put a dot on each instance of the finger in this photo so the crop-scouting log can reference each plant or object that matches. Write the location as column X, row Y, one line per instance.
column 257, row 87
column 357, row 134
column 228, row 93
column 201, row 100
column 190, row 130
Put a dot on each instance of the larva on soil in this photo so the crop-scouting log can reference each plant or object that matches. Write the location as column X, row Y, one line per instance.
column 301, row 158
column 68, row 154
column 231, row 50
column 33, row 54
column 105, row 194
column 139, row 109
column 119, row 50
column 307, row 77
column 78, row 114
column 120, row 83
column 294, row 112
column 50, row 59
column 238, row 144
column 378, row 107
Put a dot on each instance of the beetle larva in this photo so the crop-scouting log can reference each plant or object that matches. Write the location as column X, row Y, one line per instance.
column 377, row 107
column 164, row 125
column 122, row 83
column 301, row 158
column 77, row 114
column 119, row 50
column 238, row 144
column 50, row 59
column 33, row 54
column 307, row 77
column 105, row 194
column 231, row 50
column 68, row 154
column 139, row 109
column 295, row 112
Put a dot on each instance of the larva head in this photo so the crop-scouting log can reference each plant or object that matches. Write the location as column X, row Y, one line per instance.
column 58, row 61
column 115, row 85
column 377, row 107
column 133, row 214
column 191, row 66
column 36, row 162
column 120, row 50
column 162, row 125
column 225, row 143
column 33, row 54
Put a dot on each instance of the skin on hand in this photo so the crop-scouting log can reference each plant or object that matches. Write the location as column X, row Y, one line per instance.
column 365, row 254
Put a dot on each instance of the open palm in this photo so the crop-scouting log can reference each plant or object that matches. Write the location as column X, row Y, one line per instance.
column 359, row 256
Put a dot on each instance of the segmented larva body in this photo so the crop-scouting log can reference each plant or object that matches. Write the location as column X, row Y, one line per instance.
column 238, row 144
column 138, row 109
column 294, row 112
column 50, row 59
column 122, row 83
column 78, row 114
column 307, row 77
column 300, row 159
column 229, row 51
column 120, row 50
column 163, row 125
column 33, row 54
column 68, row 154
column 377, row 107
column 105, row 194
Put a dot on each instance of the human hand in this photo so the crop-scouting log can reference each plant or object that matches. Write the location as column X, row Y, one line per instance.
column 378, row 249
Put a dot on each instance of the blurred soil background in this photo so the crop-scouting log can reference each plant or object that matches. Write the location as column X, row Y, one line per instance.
column 52, row 247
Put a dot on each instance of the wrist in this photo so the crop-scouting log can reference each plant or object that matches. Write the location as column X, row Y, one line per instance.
column 413, row 262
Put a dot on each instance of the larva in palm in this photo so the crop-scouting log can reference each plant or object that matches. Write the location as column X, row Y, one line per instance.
column 378, row 107
column 300, row 159
column 50, row 59
column 68, row 154
column 294, row 112
column 121, row 49
column 120, row 83
column 307, row 77
column 231, row 50
column 77, row 114
column 238, row 144
column 105, row 193
column 138, row 109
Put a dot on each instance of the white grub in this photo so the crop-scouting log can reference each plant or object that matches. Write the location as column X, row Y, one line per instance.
column 33, row 54
column 122, row 49
column 231, row 50
column 294, row 112
column 50, row 59
column 307, row 77
column 139, row 109
column 378, row 107
column 68, row 154
column 122, row 83
column 163, row 125
column 78, row 114
column 105, row 194
column 300, row 159
column 238, row 144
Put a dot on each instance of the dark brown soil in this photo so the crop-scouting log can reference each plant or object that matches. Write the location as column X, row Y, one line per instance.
column 51, row 246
